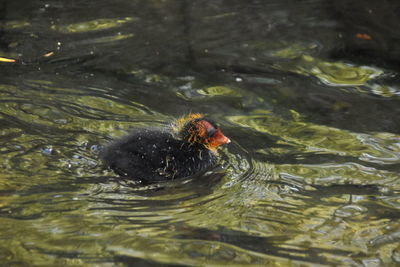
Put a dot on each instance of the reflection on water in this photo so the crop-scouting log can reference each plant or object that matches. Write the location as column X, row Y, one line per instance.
column 94, row 25
column 312, row 174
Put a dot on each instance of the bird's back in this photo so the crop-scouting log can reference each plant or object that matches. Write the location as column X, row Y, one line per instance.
column 155, row 154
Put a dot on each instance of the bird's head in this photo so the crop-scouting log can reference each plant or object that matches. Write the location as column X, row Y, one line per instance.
column 196, row 129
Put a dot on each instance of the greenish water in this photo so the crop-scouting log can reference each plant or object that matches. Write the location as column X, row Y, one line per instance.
column 311, row 176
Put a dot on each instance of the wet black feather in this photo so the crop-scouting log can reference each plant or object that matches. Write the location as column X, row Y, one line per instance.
column 156, row 154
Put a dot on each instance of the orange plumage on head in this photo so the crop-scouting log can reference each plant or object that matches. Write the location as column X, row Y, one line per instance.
column 197, row 131
column 181, row 122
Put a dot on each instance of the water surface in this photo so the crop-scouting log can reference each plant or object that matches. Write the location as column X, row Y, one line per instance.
column 308, row 91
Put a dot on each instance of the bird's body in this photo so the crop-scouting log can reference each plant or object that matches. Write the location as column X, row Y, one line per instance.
column 157, row 154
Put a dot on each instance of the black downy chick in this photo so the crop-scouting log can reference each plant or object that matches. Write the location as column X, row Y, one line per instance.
column 158, row 154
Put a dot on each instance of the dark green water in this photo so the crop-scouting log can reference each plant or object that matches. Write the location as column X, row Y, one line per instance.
column 308, row 91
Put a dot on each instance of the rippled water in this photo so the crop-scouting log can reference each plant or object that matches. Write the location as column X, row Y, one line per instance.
column 307, row 90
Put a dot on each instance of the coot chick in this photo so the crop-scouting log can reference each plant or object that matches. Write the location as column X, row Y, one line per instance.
column 188, row 147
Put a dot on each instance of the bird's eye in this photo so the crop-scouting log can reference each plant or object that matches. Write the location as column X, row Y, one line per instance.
column 208, row 129
column 211, row 132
